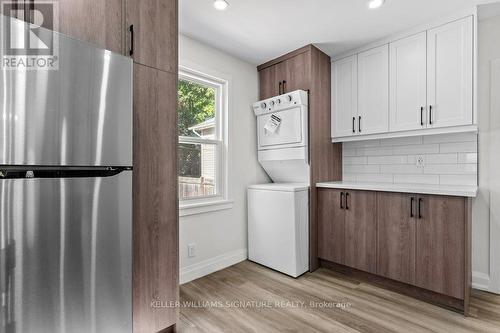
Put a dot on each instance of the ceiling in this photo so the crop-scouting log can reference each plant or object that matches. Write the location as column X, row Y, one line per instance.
column 260, row 30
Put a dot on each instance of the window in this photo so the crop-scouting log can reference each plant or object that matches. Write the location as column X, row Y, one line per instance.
column 201, row 111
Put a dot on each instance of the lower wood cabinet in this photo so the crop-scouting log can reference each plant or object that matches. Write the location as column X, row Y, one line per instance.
column 361, row 230
column 396, row 236
column 331, row 225
column 440, row 244
column 347, row 228
column 420, row 240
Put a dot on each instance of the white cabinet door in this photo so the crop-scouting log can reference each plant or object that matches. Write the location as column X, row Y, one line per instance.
column 373, row 91
column 449, row 73
column 408, row 83
column 344, row 96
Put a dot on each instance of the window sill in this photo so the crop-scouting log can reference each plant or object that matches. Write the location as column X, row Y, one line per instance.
column 186, row 209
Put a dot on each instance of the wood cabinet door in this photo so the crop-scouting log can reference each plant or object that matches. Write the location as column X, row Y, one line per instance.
column 450, row 73
column 155, row 32
column 97, row 22
column 298, row 69
column 361, row 230
column 344, row 97
column 408, row 83
column 155, row 208
column 331, row 215
column 440, row 244
column 373, row 91
column 396, row 236
column 268, row 83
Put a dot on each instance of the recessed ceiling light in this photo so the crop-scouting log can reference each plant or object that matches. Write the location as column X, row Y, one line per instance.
column 221, row 4
column 373, row 4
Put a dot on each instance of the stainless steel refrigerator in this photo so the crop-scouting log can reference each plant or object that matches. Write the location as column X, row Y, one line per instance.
column 66, row 194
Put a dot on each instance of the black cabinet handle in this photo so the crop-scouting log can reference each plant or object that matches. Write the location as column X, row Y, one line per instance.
column 341, row 200
column 411, row 206
column 131, row 29
column 284, row 87
column 430, row 114
column 419, row 208
column 346, row 202
column 279, row 89
column 353, row 124
column 421, row 116
column 359, row 124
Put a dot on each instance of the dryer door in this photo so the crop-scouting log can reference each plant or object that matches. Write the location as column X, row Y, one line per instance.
column 282, row 129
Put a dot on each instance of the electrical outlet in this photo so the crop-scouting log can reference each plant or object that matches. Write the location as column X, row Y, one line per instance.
column 191, row 250
column 420, row 161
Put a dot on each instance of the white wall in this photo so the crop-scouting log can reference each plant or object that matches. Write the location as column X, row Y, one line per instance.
column 221, row 236
column 486, row 218
column 449, row 159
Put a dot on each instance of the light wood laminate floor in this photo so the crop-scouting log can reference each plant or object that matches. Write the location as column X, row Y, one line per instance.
column 267, row 301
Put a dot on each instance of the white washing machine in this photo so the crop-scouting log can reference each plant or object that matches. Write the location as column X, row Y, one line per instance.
column 278, row 227
column 278, row 213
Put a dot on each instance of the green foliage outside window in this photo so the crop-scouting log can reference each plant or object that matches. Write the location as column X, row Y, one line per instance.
column 196, row 103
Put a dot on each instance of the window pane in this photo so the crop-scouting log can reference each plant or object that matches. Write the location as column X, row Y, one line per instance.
column 197, row 170
column 196, row 108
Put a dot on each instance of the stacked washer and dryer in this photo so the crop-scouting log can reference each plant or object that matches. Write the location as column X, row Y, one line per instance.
column 278, row 212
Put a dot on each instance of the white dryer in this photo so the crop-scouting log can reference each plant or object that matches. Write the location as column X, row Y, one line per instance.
column 278, row 213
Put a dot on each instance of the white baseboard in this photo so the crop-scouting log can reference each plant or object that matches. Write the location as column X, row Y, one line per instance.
column 480, row 281
column 211, row 265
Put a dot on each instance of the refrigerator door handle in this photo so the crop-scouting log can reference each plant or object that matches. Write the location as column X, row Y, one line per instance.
column 28, row 173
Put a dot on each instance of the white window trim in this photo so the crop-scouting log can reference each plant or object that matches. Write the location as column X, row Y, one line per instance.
column 192, row 206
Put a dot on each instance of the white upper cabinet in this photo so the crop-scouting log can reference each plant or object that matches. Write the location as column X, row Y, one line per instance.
column 449, row 74
column 344, row 96
column 373, row 91
column 408, row 83
column 421, row 84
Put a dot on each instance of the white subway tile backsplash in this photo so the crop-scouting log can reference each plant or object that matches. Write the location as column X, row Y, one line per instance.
column 449, row 159
column 348, row 160
column 401, row 169
column 374, row 151
column 348, row 152
column 362, row 168
column 416, row 149
column 451, row 169
column 416, row 179
column 374, row 178
column 463, row 147
column 470, row 180
column 440, row 158
column 349, row 177
column 467, row 158
column 395, row 159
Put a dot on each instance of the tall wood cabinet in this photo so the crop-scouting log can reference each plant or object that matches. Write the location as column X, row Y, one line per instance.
column 308, row 69
column 153, row 40
column 152, row 27
column 155, row 268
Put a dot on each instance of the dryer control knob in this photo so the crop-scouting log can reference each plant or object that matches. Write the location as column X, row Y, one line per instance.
column 263, row 105
column 289, row 98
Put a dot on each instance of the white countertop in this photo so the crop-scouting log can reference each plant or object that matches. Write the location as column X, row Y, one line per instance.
column 452, row 190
